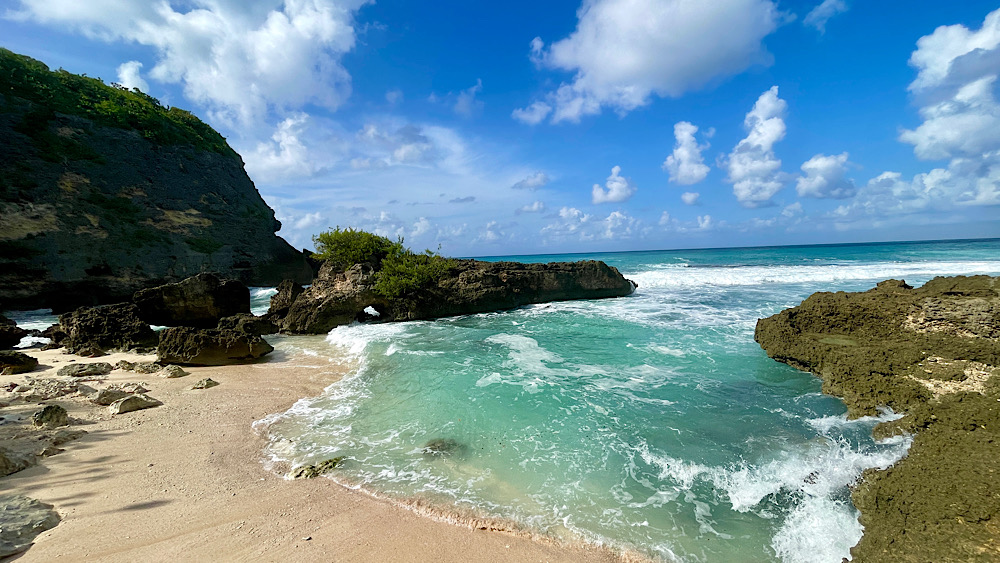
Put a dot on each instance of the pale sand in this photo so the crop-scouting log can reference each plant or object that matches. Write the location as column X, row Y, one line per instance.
column 185, row 482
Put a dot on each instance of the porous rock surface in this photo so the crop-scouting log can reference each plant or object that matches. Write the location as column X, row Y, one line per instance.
column 21, row 520
column 95, row 330
column 209, row 347
column 15, row 362
column 198, row 301
column 471, row 286
column 85, row 370
column 930, row 353
column 248, row 323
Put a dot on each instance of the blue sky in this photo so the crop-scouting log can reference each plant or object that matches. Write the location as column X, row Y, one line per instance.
column 541, row 127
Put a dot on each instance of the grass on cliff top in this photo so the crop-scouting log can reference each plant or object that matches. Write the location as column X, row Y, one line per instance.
column 114, row 106
column 400, row 271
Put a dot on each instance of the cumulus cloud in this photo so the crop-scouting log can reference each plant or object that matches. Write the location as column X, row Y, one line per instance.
column 705, row 222
column 753, row 168
column 822, row 13
column 467, row 104
column 536, row 207
column 533, row 114
column 617, row 190
column 421, row 227
column 792, row 210
column 686, row 165
column 690, row 198
column 237, row 59
column 573, row 223
column 825, row 177
column 625, row 51
column 129, row 77
column 532, row 182
column 284, row 154
column 957, row 71
column 407, row 144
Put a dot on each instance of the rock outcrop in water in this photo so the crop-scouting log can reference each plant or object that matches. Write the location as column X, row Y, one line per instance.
column 930, row 353
column 340, row 297
column 103, row 192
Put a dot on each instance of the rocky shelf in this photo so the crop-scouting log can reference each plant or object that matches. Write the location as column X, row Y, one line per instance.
column 930, row 354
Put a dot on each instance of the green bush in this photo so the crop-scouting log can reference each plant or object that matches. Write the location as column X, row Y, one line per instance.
column 347, row 247
column 401, row 272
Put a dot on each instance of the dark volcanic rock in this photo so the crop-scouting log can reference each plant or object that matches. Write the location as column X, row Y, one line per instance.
column 16, row 362
column 199, row 301
column 209, row 347
column 471, row 286
column 10, row 334
column 93, row 210
column 931, row 353
column 107, row 327
column 248, row 323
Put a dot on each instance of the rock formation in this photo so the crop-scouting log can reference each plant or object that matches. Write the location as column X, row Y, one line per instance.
column 91, row 331
column 209, row 347
column 932, row 354
column 21, row 520
column 470, row 286
column 10, row 334
column 16, row 362
column 85, row 370
column 103, row 192
column 198, row 301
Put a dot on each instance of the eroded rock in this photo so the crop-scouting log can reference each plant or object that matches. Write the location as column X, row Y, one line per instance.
column 85, row 370
column 21, row 520
column 315, row 470
column 15, row 362
column 51, row 416
column 209, row 347
column 206, row 383
column 172, row 372
column 10, row 334
column 248, row 323
column 116, row 391
column 90, row 331
column 133, row 403
column 198, row 301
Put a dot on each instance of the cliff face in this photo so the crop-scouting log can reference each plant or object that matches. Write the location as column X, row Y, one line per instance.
column 932, row 354
column 96, row 203
column 340, row 297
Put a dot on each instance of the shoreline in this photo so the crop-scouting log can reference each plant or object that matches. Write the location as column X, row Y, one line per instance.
column 187, row 480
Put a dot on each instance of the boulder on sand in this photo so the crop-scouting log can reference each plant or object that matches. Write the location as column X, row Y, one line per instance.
column 16, row 362
column 133, row 403
column 198, row 301
column 85, row 370
column 248, row 323
column 51, row 416
column 93, row 330
column 10, row 334
column 21, row 520
column 209, row 347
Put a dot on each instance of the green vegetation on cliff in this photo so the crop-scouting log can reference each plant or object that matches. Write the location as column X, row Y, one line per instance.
column 401, row 271
column 113, row 106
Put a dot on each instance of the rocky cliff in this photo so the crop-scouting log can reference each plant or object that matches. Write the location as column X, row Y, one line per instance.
column 931, row 354
column 104, row 192
column 339, row 297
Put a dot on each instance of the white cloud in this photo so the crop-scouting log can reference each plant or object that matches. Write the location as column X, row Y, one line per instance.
column 421, row 227
column 822, row 13
column 309, row 220
column 532, row 182
column 792, row 210
column 536, row 207
column 664, row 219
column 690, row 198
column 284, row 154
column 686, row 165
column 619, row 225
column 705, row 222
column 625, row 51
column 964, row 124
column 394, row 96
column 573, row 223
column 533, row 114
column 129, row 77
column 753, row 168
column 467, row 104
column 618, row 189
column 826, row 178
column 237, row 59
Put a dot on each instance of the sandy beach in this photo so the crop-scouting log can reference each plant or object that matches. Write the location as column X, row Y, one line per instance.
column 185, row 481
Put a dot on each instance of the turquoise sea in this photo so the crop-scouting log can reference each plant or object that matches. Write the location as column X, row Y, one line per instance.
column 652, row 423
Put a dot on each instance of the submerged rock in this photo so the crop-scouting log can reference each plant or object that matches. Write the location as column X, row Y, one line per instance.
column 340, row 297
column 21, row 520
column 315, row 470
column 85, row 370
column 440, row 447
column 209, row 347
column 15, row 362
column 133, row 403
column 93, row 330
column 931, row 353
column 51, row 416
column 198, row 301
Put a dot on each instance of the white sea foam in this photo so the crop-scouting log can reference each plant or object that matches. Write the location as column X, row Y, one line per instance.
column 262, row 292
column 687, row 277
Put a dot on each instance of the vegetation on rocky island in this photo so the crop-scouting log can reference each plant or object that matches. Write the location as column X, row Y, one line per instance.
column 114, row 106
column 400, row 271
